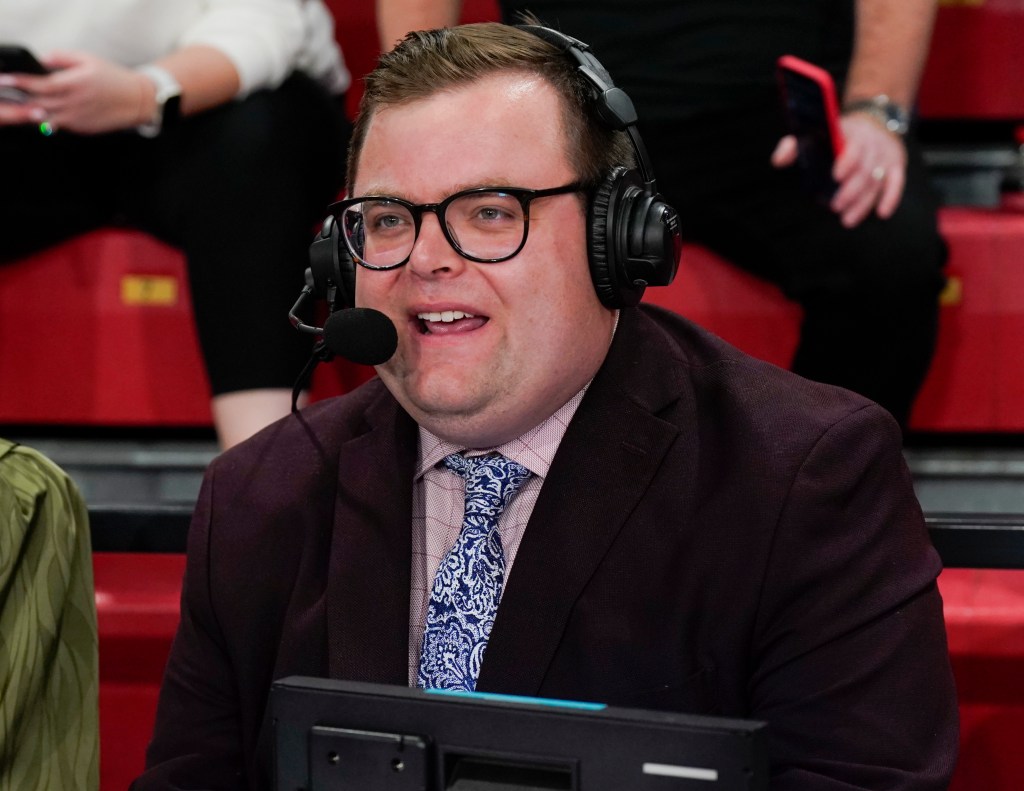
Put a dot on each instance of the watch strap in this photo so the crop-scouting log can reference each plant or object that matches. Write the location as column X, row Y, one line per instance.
column 891, row 115
column 168, row 98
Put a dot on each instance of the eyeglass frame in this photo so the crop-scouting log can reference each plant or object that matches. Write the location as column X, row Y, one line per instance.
column 524, row 195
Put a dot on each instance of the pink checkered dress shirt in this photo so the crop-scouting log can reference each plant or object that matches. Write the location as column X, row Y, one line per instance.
column 438, row 498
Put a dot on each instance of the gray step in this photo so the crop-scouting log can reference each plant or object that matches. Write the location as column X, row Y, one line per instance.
column 160, row 472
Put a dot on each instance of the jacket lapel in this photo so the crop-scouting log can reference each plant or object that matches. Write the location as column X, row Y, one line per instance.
column 368, row 582
column 606, row 461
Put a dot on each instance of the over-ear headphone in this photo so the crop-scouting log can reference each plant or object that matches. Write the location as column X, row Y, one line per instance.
column 633, row 236
column 332, row 272
column 634, row 239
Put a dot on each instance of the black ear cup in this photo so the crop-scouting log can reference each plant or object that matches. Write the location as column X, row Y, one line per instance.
column 361, row 335
column 654, row 242
column 332, row 272
column 634, row 239
column 605, row 240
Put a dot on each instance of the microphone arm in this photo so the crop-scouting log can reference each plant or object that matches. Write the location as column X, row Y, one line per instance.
column 362, row 335
column 321, row 352
column 298, row 323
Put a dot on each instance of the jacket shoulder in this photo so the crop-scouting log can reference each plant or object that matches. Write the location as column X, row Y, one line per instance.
column 313, row 434
column 722, row 379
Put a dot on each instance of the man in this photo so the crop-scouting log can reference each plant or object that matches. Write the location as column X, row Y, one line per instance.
column 867, row 268
column 694, row 530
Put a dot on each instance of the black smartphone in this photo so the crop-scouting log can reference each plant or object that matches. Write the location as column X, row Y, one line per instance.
column 18, row 60
column 812, row 111
column 15, row 59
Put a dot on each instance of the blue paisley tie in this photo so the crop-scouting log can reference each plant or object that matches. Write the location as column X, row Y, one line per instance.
column 466, row 591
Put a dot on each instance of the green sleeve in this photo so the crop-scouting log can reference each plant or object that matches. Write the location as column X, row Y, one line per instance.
column 49, row 665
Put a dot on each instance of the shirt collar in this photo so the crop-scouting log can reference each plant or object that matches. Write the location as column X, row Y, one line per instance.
column 535, row 449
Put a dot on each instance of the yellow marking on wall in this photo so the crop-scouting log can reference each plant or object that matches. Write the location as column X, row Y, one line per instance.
column 953, row 293
column 151, row 290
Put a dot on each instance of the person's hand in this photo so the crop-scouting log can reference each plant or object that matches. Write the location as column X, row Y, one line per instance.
column 15, row 109
column 83, row 93
column 871, row 171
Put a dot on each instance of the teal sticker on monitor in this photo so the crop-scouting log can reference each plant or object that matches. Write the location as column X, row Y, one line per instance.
column 501, row 698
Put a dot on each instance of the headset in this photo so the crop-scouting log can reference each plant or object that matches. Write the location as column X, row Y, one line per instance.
column 633, row 237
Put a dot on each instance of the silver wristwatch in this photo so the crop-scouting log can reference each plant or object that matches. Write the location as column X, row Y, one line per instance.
column 888, row 113
column 168, row 101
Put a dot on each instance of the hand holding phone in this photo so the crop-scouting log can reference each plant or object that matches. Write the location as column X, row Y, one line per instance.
column 15, row 59
column 812, row 112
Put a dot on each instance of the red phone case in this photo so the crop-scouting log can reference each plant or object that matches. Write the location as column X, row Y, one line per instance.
column 812, row 110
column 825, row 91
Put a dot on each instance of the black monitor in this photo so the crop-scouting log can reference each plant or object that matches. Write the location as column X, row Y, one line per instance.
column 340, row 735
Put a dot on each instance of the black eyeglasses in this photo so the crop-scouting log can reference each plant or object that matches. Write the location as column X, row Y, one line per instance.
column 484, row 224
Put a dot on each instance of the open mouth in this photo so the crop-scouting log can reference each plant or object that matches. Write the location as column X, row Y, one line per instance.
column 449, row 322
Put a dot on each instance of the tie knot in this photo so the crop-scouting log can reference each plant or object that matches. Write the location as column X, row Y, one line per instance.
column 491, row 481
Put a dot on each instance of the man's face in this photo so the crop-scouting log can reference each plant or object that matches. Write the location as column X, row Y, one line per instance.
column 537, row 331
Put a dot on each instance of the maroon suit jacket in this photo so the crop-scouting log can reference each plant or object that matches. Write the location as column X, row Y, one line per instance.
column 715, row 535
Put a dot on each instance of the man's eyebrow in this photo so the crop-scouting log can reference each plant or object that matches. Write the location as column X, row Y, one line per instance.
column 382, row 191
column 501, row 183
column 388, row 192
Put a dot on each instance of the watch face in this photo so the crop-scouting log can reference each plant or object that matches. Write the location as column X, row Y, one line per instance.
column 891, row 115
column 896, row 119
column 171, row 112
column 168, row 101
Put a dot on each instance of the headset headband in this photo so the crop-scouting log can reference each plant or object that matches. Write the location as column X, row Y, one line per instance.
column 613, row 104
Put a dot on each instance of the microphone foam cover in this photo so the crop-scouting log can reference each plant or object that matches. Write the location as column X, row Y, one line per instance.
column 362, row 335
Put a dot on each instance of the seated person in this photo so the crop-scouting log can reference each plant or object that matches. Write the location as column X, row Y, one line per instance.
column 49, row 666
column 551, row 490
column 219, row 128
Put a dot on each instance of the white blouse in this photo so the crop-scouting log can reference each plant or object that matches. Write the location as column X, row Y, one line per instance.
column 265, row 39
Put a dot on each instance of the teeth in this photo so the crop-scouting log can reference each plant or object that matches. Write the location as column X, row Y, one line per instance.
column 445, row 316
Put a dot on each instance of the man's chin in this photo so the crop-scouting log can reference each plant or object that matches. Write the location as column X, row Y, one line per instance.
column 434, row 394
column 444, row 410
column 453, row 418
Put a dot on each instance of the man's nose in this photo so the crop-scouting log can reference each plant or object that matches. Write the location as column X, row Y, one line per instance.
column 432, row 254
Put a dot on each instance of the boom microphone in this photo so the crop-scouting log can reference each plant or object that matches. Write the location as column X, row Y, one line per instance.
column 362, row 335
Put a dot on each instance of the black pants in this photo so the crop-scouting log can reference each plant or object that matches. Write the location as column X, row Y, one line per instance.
column 238, row 188
column 869, row 294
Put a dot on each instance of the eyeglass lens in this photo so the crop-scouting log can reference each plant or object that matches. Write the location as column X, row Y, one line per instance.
column 483, row 225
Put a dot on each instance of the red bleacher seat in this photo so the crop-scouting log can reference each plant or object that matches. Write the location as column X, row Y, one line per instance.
column 99, row 331
column 137, row 607
column 984, row 612
column 974, row 61
column 976, row 383
column 749, row 313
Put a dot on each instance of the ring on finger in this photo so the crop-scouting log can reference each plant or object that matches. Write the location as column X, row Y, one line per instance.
column 878, row 173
